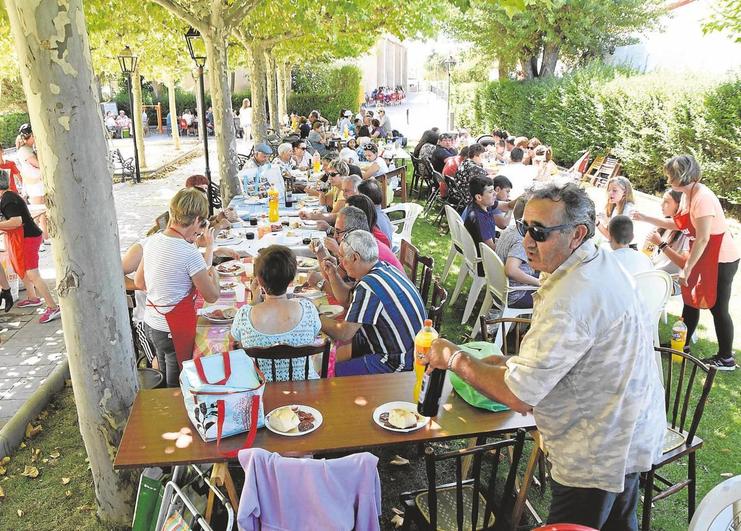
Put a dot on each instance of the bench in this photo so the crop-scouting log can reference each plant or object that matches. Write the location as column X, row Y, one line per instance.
column 121, row 166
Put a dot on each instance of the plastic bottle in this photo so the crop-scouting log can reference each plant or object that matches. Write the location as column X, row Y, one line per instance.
column 679, row 338
column 273, row 196
column 422, row 343
column 316, row 162
column 346, row 133
column 648, row 248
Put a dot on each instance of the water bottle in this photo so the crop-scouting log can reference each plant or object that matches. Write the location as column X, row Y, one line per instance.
column 422, row 343
column 679, row 338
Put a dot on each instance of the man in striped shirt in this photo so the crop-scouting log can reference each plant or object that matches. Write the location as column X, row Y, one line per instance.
column 386, row 311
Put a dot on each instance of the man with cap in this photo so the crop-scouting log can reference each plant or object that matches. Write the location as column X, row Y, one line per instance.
column 442, row 152
column 345, row 122
column 254, row 169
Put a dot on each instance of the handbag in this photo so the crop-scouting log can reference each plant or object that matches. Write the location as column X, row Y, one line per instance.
column 223, row 395
column 478, row 350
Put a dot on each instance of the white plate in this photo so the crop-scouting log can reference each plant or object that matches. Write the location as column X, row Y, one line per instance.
column 256, row 201
column 234, row 273
column 330, row 310
column 210, row 309
column 318, row 419
column 228, row 241
column 388, row 406
column 306, row 263
column 309, row 223
column 225, row 290
column 309, row 293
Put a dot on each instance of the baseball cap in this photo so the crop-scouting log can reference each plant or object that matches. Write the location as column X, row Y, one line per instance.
column 263, row 148
column 348, row 114
column 25, row 129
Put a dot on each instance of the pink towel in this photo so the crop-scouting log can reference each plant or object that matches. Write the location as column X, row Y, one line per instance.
column 287, row 494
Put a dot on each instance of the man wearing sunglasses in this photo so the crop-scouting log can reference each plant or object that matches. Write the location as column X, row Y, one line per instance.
column 301, row 158
column 586, row 366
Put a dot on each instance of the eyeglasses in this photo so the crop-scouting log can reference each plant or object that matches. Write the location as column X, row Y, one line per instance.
column 538, row 233
column 332, row 174
column 302, row 147
column 339, row 234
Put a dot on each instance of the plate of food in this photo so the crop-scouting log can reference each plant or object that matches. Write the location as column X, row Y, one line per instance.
column 401, row 417
column 293, row 420
column 226, row 237
column 310, row 292
column 232, row 268
column 306, row 263
column 220, row 314
column 227, row 287
column 330, row 310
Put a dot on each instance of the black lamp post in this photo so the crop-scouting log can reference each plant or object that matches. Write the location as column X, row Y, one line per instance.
column 449, row 64
column 193, row 38
column 128, row 61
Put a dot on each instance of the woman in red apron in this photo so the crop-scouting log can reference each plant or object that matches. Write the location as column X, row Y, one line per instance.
column 707, row 276
column 172, row 272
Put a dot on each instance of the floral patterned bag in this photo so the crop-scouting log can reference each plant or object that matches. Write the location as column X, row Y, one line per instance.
column 223, row 395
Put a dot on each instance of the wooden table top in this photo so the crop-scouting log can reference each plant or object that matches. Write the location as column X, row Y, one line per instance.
column 346, row 404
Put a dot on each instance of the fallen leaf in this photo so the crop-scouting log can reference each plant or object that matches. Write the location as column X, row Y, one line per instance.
column 5, row 460
column 33, row 431
column 35, row 453
column 726, row 474
column 20, row 513
column 30, row 471
column 68, row 493
column 43, row 415
column 397, row 511
column 2, row 470
column 44, row 460
column 66, row 480
column 2, row 493
column 55, row 454
column 399, row 461
column 23, row 445
column 397, row 520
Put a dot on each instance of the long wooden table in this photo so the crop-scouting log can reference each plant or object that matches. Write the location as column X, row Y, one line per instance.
column 346, row 404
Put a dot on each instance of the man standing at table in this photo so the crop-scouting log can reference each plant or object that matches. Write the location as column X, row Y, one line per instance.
column 586, row 368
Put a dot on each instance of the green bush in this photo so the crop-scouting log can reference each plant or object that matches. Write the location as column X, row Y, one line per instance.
column 643, row 119
column 328, row 90
column 9, row 125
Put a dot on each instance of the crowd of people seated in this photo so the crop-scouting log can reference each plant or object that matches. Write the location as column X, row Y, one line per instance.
column 386, row 95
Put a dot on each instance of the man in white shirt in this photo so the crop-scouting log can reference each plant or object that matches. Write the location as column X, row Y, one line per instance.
column 522, row 176
column 621, row 234
column 586, row 368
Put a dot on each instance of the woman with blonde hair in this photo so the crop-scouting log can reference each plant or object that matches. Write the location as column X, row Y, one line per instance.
column 543, row 161
column 171, row 271
column 620, row 202
column 707, row 275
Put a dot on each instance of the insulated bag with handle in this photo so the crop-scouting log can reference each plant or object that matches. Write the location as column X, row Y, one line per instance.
column 223, row 395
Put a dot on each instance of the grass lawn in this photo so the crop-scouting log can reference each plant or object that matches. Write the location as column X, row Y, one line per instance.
column 47, row 503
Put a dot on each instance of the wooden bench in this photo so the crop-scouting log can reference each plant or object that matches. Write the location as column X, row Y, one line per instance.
column 121, row 166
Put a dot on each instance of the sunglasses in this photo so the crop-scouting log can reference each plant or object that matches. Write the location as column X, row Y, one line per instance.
column 537, row 233
column 302, row 147
column 332, row 174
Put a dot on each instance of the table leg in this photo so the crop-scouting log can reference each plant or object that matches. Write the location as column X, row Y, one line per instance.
column 221, row 477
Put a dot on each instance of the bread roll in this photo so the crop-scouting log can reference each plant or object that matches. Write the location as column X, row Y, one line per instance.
column 402, row 418
column 284, row 419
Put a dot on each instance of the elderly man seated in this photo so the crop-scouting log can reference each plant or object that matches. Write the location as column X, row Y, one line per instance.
column 385, row 312
column 284, row 159
column 348, row 188
column 253, row 175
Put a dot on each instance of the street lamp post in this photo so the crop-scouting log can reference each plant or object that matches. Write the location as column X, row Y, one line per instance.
column 128, row 61
column 192, row 38
column 449, row 64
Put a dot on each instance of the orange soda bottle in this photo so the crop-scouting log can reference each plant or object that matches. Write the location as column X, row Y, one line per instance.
column 422, row 342
column 679, row 338
column 273, row 200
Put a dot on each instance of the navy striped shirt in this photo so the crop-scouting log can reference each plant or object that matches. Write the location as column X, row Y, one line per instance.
column 391, row 312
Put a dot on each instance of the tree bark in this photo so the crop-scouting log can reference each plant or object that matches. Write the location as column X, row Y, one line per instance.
column 526, row 64
column 136, row 112
column 280, row 75
column 272, row 90
column 54, row 56
column 221, row 105
column 257, row 69
column 550, row 59
column 173, row 113
column 288, row 82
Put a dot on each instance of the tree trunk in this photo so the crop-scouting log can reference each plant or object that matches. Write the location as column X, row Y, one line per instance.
column 280, row 78
column 550, row 59
column 504, row 67
column 287, row 68
column 221, row 105
column 527, row 68
column 54, row 56
column 136, row 116
column 271, row 80
column 173, row 113
column 257, row 69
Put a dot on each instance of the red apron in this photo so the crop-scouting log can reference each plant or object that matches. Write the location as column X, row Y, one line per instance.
column 702, row 285
column 182, row 321
column 14, row 246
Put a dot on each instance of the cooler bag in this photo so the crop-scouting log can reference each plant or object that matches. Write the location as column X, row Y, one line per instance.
column 223, row 395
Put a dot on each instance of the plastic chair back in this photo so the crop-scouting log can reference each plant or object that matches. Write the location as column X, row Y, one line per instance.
column 655, row 287
column 452, row 216
column 718, row 506
column 496, row 279
column 469, row 247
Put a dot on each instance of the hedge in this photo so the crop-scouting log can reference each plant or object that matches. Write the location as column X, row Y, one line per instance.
column 9, row 125
column 327, row 90
column 643, row 119
column 183, row 99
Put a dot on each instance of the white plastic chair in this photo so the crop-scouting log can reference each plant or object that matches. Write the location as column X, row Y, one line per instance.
column 471, row 261
column 497, row 291
column 456, row 247
column 655, row 287
column 719, row 508
column 411, row 213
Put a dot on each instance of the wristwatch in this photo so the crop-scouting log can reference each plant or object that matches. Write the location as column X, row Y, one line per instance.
column 662, row 246
column 320, row 284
